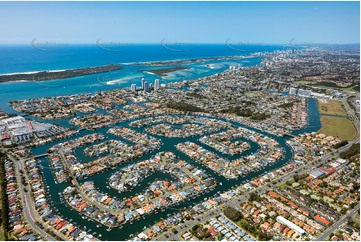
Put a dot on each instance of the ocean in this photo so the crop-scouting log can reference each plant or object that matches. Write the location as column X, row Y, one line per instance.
column 15, row 59
column 33, row 58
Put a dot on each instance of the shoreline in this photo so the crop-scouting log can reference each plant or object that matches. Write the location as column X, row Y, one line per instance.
column 30, row 72
column 135, row 63
column 189, row 60
column 58, row 74
column 163, row 72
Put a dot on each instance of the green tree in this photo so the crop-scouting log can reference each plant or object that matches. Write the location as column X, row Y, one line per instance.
column 232, row 213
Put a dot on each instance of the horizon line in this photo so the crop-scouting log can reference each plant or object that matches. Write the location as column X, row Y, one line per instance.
column 178, row 43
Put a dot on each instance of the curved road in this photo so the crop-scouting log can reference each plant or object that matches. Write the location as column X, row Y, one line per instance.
column 181, row 228
column 29, row 212
column 28, row 209
column 31, row 215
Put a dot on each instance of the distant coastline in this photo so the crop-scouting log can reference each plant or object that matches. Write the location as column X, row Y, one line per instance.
column 61, row 74
column 187, row 61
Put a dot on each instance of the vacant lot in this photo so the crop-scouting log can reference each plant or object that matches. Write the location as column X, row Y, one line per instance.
column 341, row 128
column 332, row 107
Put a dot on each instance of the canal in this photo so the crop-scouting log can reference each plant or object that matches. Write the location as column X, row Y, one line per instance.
column 101, row 180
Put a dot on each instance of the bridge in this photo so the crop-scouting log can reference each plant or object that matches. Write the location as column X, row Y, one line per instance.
column 41, row 155
column 288, row 134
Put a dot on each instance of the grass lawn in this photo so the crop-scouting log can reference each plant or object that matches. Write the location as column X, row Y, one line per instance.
column 2, row 235
column 252, row 94
column 283, row 185
column 349, row 89
column 304, row 82
column 332, row 107
column 338, row 127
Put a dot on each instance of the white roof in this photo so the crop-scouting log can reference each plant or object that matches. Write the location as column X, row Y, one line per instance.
column 291, row 225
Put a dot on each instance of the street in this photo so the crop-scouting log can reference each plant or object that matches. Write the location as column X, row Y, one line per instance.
column 30, row 213
column 28, row 209
column 182, row 228
column 336, row 225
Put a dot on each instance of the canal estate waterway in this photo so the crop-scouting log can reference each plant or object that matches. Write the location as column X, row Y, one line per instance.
column 101, row 180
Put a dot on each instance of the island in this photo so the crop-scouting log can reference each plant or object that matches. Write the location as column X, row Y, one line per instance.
column 165, row 71
column 189, row 61
column 62, row 74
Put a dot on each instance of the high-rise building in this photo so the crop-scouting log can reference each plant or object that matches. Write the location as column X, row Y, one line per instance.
column 146, row 87
column 143, row 82
column 156, row 84
column 133, row 87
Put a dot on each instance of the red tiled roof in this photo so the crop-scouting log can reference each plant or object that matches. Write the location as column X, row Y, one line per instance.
column 322, row 220
column 273, row 194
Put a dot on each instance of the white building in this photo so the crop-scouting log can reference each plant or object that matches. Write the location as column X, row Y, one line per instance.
column 291, row 225
column 156, row 84
column 143, row 83
column 293, row 91
column 304, row 93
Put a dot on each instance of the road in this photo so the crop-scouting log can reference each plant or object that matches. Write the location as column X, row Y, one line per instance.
column 85, row 196
column 336, row 225
column 352, row 114
column 181, row 228
column 28, row 208
column 97, row 204
column 30, row 214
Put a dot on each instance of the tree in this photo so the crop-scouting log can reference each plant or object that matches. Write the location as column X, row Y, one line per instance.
column 183, row 106
column 4, row 208
column 353, row 150
column 340, row 144
column 296, row 177
column 254, row 197
column 194, row 229
column 232, row 213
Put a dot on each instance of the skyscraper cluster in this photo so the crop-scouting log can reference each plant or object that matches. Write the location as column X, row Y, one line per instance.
column 146, row 86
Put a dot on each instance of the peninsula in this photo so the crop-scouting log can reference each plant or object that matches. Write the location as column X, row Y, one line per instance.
column 61, row 74
column 189, row 61
column 165, row 71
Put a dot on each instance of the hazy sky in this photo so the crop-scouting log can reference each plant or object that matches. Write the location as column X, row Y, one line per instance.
column 185, row 22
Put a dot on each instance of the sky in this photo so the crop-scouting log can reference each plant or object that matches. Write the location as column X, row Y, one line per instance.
column 180, row 22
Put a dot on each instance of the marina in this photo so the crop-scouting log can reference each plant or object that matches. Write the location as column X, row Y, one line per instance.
column 168, row 143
